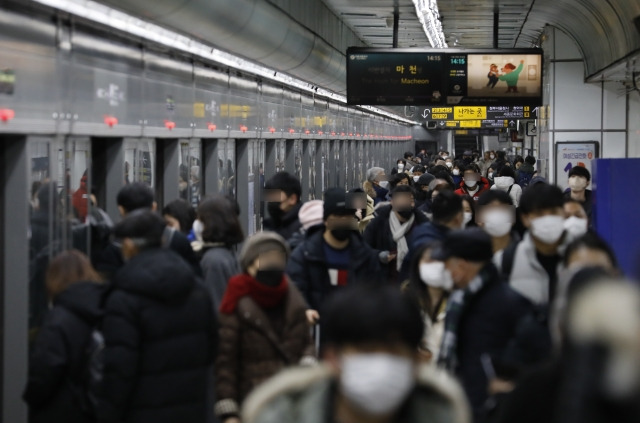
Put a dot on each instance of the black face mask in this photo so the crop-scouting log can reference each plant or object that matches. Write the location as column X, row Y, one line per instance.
column 275, row 211
column 341, row 233
column 405, row 213
column 270, row 277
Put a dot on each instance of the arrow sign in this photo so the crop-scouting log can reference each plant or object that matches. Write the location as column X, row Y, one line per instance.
column 512, row 123
column 426, row 113
column 535, row 111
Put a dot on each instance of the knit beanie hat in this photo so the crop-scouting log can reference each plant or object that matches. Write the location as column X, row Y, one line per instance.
column 261, row 243
column 311, row 213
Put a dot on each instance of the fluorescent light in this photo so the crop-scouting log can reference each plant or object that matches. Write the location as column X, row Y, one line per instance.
column 429, row 17
column 124, row 22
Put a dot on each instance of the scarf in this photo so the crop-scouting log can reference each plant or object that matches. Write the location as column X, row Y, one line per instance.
column 398, row 232
column 456, row 306
column 244, row 285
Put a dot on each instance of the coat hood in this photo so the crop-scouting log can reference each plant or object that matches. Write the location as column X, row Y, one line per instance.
column 159, row 273
column 504, row 182
column 83, row 299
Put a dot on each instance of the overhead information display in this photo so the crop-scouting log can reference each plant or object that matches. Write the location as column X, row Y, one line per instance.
column 447, row 77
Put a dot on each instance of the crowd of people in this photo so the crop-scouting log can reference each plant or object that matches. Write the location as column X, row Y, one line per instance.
column 444, row 290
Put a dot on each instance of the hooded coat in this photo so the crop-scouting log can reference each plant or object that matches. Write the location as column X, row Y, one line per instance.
column 57, row 359
column 508, row 185
column 160, row 340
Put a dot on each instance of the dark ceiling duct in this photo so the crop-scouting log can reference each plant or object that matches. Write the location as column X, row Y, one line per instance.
column 253, row 29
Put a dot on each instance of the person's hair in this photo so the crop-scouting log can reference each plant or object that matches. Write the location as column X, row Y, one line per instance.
column 373, row 173
column 135, row 196
column 402, row 188
column 416, row 288
column 143, row 226
column 508, row 171
column 472, row 167
column 580, row 171
column 446, row 206
column 501, row 155
column 571, row 200
column 419, row 168
column 590, row 241
column 494, row 195
column 403, row 161
column 517, row 160
column 221, row 223
column 67, row 268
column 472, row 204
column 395, row 179
column 408, row 154
column 531, row 160
column 540, row 197
column 364, row 315
column 285, row 182
column 182, row 212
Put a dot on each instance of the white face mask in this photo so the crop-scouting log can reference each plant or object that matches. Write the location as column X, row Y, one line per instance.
column 548, row 229
column 578, row 183
column 376, row 383
column 415, row 178
column 456, row 172
column 497, row 223
column 471, row 184
column 198, row 228
column 384, row 184
column 435, row 275
column 491, row 156
column 576, row 226
column 400, row 167
column 449, row 164
column 467, row 218
column 490, row 175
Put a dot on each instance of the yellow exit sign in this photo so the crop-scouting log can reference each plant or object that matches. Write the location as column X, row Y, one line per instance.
column 470, row 113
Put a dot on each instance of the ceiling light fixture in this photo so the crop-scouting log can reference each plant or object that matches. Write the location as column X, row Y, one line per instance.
column 429, row 17
column 113, row 18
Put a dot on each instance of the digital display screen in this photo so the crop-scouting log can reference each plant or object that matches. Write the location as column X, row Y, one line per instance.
column 400, row 77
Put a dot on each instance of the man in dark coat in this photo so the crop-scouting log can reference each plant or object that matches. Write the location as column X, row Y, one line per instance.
column 133, row 197
column 160, row 333
column 482, row 313
column 391, row 228
column 334, row 257
column 283, row 192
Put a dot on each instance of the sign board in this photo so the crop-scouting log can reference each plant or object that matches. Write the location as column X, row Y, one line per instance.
column 397, row 77
column 571, row 154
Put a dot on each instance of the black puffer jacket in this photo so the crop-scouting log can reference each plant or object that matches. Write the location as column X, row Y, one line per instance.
column 161, row 335
column 57, row 360
column 287, row 225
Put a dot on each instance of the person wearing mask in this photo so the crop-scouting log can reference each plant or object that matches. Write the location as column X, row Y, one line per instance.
column 422, row 189
column 371, row 371
column 263, row 325
column 447, row 214
column 160, row 332
column 501, row 161
column 506, row 182
column 416, row 172
column 310, row 216
column 283, row 192
column 390, row 228
column 490, row 176
column 576, row 220
column 430, row 285
column 486, row 161
column 401, row 167
column 432, row 190
column 456, row 173
column 474, row 185
column 54, row 387
column 496, row 216
column 218, row 230
column 469, row 212
column 448, row 162
column 133, row 197
column 179, row 215
column 579, row 180
column 482, row 313
column 376, row 186
column 400, row 179
column 526, row 172
column 538, row 258
column 334, row 257
column 517, row 162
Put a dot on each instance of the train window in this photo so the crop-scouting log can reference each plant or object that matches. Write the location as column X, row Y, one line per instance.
column 139, row 161
column 312, row 169
column 230, row 167
column 297, row 155
column 190, row 172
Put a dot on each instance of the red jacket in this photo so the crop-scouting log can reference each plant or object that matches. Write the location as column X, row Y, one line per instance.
column 483, row 184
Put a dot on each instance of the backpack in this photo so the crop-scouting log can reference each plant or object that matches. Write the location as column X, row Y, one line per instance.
column 524, row 178
column 508, row 257
column 87, row 385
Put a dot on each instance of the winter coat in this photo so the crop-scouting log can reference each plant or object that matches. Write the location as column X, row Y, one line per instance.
column 525, row 168
column 588, row 201
column 218, row 265
column 379, row 237
column 528, row 277
column 56, row 365
column 508, row 185
column 483, row 184
column 487, row 325
column 254, row 347
column 307, row 267
column 160, row 335
column 304, row 395
column 381, row 194
column 287, row 226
